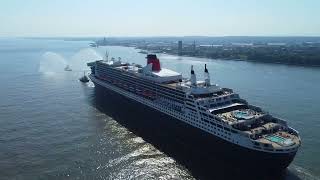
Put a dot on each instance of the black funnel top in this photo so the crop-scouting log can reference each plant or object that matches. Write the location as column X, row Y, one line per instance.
column 205, row 68
column 192, row 71
column 151, row 56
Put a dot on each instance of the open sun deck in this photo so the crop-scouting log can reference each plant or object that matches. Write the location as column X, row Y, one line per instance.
column 279, row 139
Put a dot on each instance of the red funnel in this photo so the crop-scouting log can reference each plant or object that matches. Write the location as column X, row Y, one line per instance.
column 152, row 58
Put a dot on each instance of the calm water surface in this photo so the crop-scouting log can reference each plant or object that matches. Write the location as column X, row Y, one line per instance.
column 51, row 128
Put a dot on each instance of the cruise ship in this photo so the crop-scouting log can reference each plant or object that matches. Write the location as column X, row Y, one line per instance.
column 249, row 133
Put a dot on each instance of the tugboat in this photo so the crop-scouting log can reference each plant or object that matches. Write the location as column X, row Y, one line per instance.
column 84, row 78
column 94, row 45
column 67, row 68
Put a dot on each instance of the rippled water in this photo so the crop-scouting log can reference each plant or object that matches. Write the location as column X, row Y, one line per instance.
column 52, row 126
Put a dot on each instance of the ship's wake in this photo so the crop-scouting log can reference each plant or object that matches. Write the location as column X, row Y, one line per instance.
column 301, row 172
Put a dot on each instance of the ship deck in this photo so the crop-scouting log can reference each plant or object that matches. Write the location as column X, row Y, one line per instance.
column 239, row 115
column 172, row 85
column 278, row 140
column 261, row 130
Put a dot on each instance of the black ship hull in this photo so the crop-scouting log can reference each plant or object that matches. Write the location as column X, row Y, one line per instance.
column 205, row 155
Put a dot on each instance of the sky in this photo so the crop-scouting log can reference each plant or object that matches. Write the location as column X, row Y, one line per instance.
column 37, row 18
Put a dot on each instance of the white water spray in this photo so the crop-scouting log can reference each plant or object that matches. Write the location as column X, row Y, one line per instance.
column 52, row 63
column 79, row 60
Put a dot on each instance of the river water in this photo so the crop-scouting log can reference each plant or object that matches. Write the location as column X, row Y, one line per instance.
column 51, row 128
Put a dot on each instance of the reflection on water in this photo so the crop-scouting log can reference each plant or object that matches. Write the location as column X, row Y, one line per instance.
column 132, row 156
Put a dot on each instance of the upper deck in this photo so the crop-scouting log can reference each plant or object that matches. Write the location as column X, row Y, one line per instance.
column 200, row 90
column 160, row 76
column 279, row 140
column 240, row 115
column 222, row 102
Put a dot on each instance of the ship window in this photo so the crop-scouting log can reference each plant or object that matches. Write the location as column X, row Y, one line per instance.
column 233, row 131
column 213, row 123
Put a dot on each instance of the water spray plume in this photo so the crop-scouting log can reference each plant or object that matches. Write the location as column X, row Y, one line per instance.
column 51, row 63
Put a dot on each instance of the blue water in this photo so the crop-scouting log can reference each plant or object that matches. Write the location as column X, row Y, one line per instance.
column 51, row 129
column 242, row 115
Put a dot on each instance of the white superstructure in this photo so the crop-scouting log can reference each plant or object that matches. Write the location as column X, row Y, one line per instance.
column 218, row 111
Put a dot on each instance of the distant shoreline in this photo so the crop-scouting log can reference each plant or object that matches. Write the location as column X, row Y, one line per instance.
column 298, row 51
column 296, row 54
column 227, row 59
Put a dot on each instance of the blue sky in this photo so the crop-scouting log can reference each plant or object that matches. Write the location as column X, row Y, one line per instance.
column 159, row 18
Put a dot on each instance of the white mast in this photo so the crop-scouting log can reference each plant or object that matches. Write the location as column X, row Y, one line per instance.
column 206, row 76
column 193, row 77
column 107, row 56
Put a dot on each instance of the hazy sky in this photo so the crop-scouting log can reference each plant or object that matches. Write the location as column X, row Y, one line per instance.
column 159, row 17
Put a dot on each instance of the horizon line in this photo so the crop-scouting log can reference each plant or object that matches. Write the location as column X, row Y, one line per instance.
column 167, row 36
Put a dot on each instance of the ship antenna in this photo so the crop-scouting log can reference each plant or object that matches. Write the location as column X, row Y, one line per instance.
column 193, row 77
column 107, row 55
column 206, row 76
